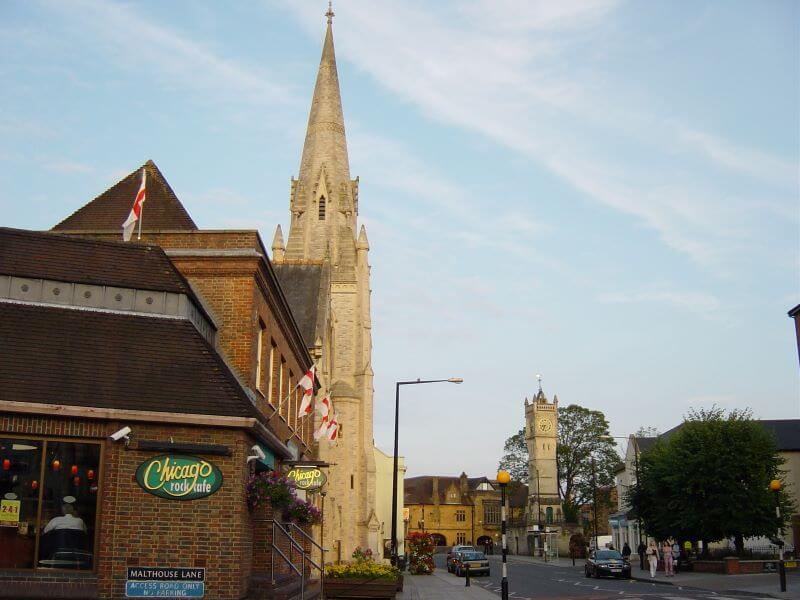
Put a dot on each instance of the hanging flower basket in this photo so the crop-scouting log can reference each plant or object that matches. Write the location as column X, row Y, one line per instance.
column 269, row 488
column 302, row 512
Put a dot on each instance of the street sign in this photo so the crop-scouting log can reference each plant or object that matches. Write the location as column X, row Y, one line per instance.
column 165, row 582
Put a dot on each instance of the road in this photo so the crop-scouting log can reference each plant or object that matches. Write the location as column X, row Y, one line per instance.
column 528, row 581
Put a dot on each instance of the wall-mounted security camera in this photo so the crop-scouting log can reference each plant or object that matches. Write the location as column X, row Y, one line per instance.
column 259, row 454
column 122, row 434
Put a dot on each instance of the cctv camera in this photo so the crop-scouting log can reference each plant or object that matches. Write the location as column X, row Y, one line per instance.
column 121, row 434
column 259, row 452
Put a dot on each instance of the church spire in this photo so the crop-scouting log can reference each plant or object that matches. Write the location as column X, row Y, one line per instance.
column 324, row 200
column 325, row 142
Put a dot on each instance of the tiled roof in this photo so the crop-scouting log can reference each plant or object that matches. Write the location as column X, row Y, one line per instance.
column 40, row 255
column 786, row 432
column 305, row 287
column 109, row 360
column 161, row 210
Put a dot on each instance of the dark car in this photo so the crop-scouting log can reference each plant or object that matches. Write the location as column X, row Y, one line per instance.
column 477, row 561
column 451, row 555
column 608, row 563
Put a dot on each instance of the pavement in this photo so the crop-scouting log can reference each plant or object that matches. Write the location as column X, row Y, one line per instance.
column 440, row 586
column 532, row 579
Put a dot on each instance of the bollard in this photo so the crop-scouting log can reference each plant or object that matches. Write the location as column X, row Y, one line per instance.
column 467, row 578
column 782, row 573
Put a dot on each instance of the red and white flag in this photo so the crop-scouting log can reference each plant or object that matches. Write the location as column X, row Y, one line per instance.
column 324, row 407
column 322, row 430
column 307, row 383
column 136, row 212
column 333, row 428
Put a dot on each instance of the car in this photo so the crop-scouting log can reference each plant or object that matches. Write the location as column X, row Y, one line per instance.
column 477, row 561
column 451, row 555
column 607, row 562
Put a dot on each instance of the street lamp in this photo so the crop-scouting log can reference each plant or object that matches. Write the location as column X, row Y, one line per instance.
column 503, row 478
column 394, row 468
column 775, row 486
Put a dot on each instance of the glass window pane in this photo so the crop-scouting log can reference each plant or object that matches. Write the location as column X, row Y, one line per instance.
column 69, row 506
column 20, row 462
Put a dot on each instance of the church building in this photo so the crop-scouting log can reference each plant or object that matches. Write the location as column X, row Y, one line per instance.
column 324, row 271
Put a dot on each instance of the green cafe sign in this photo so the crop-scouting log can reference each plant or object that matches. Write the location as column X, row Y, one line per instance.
column 178, row 477
column 307, row 478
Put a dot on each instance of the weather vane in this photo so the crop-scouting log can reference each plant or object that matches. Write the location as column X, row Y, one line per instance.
column 539, row 379
column 330, row 14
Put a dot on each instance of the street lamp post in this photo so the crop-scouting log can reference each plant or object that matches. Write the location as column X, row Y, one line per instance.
column 503, row 478
column 594, row 498
column 775, row 486
column 394, row 468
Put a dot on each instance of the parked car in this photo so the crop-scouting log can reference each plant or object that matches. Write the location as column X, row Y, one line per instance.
column 607, row 562
column 477, row 561
column 451, row 555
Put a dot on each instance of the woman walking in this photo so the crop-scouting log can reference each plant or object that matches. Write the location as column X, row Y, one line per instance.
column 652, row 558
column 666, row 552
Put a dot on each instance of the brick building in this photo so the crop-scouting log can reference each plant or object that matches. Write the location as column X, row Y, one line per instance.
column 98, row 336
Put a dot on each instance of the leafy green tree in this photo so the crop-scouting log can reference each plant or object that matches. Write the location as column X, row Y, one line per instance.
column 710, row 481
column 581, row 438
column 515, row 457
column 586, row 457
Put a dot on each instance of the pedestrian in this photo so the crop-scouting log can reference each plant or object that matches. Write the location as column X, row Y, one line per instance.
column 626, row 551
column 676, row 555
column 641, row 551
column 652, row 558
column 666, row 551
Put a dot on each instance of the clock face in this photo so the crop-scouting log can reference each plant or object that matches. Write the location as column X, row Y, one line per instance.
column 544, row 424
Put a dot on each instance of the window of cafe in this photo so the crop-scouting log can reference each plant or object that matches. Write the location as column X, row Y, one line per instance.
column 48, row 503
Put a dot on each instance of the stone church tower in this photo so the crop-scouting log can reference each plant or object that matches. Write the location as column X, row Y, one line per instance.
column 324, row 270
column 541, row 436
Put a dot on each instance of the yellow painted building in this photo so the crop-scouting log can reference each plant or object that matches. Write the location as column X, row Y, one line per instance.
column 459, row 510
column 384, row 466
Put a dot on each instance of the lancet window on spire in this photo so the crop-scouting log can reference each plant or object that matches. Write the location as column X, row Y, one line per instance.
column 322, row 208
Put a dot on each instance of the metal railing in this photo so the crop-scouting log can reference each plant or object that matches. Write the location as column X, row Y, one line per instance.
column 289, row 560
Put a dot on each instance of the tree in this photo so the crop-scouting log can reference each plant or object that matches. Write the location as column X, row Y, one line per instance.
column 710, row 481
column 646, row 432
column 581, row 435
column 515, row 457
column 586, row 457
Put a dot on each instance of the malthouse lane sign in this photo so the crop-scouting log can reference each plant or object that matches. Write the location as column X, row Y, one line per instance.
column 165, row 582
column 307, row 478
column 178, row 477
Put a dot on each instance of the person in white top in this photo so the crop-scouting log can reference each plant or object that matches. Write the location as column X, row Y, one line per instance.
column 70, row 519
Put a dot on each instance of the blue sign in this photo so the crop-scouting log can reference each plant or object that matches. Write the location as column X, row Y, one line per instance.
column 165, row 582
column 164, row 589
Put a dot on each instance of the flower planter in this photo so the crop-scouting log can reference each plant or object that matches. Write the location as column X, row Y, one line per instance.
column 338, row 587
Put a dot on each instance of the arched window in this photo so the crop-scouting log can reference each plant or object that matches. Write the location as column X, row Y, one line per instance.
column 549, row 514
column 322, row 208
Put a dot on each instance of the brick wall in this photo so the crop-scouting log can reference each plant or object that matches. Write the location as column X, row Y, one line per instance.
column 138, row 529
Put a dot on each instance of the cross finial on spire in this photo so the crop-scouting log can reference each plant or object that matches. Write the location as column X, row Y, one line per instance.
column 330, row 14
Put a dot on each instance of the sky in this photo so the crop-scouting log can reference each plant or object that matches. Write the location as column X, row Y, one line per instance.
column 603, row 192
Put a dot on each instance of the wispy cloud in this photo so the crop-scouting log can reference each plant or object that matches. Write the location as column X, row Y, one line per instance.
column 698, row 302
column 533, row 94
column 68, row 167
column 137, row 43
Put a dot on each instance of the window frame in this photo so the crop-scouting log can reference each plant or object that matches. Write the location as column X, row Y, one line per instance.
column 98, row 505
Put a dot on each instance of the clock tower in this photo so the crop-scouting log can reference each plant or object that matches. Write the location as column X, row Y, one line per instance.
column 541, row 437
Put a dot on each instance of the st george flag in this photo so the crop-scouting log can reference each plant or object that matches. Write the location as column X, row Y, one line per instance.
column 307, row 383
column 136, row 212
column 333, row 428
column 325, row 409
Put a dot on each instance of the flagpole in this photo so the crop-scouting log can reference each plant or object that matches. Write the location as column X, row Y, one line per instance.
column 141, row 206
